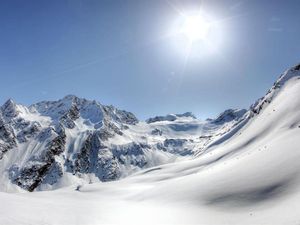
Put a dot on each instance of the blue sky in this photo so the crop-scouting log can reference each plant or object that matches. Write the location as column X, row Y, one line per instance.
column 117, row 53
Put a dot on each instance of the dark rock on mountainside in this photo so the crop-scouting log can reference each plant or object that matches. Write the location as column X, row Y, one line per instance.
column 37, row 169
column 267, row 99
column 28, row 132
column 297, row 67
column 9, row 109
column 230, row 115
column 170, row 117
column 70, row 116
column 7, row 138
column 156, row 131
column 132, row 153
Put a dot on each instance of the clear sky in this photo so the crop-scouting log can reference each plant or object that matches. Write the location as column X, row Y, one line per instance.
column 122, row 53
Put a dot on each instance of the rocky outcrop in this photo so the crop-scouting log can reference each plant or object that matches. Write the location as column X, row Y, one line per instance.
column 68, row 119
column 96, row 158
column 131, row 154
column 28, row 132
column 107, row 166
column 272, row 92
column 121, row 116
column 36, row 170
column 170, row 117
column 177, row 146
column 156, row 131
column 83, row 159
column 9, row 109
column 230, row 115
column 7, row 137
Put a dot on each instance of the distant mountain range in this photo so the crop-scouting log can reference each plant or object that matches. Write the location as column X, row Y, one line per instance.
column 52, row 144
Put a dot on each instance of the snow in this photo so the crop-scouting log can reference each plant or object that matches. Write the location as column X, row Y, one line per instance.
column 251, row 176
column 160, row 142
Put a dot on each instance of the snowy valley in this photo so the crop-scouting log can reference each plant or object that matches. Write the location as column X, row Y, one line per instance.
column 76, row 161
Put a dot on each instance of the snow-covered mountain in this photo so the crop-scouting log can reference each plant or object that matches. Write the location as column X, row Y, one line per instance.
column 52, row 144
column 240, row 168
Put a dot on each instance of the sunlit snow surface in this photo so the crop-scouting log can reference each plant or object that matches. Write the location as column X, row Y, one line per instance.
column 251, row 178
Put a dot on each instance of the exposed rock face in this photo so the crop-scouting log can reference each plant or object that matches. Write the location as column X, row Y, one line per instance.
column 156, row 131
column 132, row 154
column 9, row 109
column 230, row 114
column 83, row 158
column 272, row 92
column 107, row 166
column 170, row 117
column 7, row 137
column 37, row 169
column 70, row 116
column 104, row 161
column 177, row 146
column 28, row 132
column 122, row 116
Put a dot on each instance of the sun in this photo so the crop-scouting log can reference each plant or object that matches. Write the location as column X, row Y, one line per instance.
column 195, row 28
column 197, row 34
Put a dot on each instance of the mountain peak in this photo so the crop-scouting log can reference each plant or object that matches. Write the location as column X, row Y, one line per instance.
column 70, row 97
column 230, row 114
column 287, row 75
column 275, row 89
column 9, row 108
column 186, row 114
column 9, row 102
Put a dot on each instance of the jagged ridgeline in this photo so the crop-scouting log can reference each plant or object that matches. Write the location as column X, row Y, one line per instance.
column 56, row 143
column 52, row 144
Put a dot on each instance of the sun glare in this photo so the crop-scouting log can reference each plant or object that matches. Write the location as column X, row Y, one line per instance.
column 195, row 28
column 197, row 34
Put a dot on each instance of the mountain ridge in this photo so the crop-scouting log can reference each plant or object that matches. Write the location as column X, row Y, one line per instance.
column 75, row 137
column 52, row 144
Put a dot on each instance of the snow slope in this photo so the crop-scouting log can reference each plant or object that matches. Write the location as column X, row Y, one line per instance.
column 251, row 176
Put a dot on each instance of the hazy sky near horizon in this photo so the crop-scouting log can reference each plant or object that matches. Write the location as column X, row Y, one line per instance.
column 121, row 53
